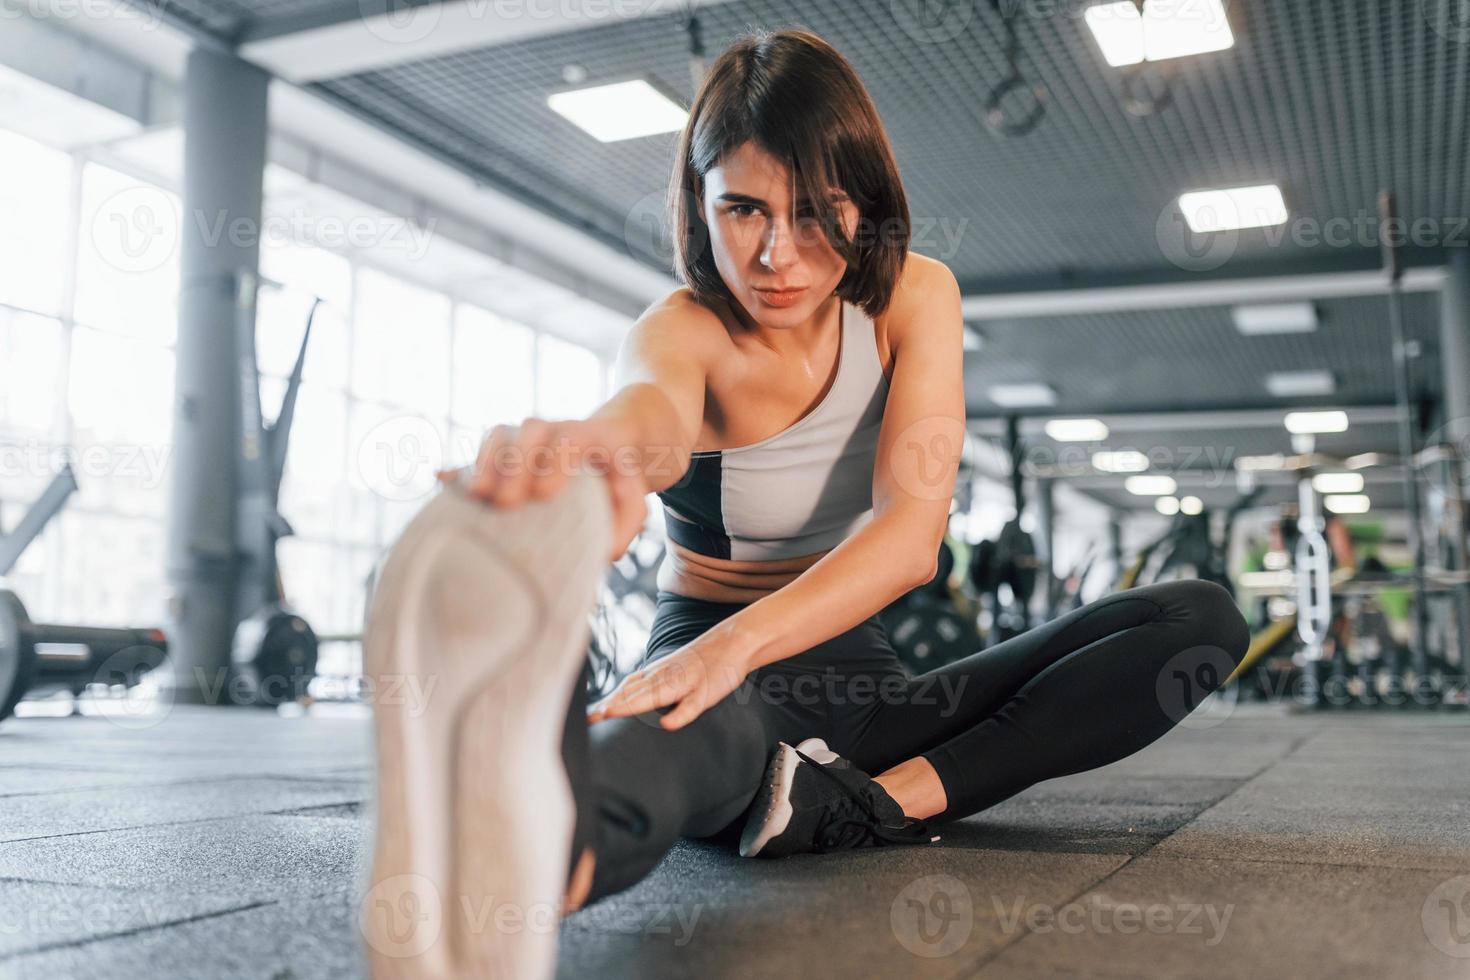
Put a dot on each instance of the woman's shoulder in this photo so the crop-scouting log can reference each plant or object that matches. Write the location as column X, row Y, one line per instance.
column 679, row 319
column 921, row 277
column 924, row 286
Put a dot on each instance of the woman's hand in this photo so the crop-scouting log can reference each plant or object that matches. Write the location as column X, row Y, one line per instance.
column 534, row 460
column 693, row 679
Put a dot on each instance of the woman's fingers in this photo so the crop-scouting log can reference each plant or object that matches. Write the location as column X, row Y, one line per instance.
column 690, row 707
column 644, row 691
column 629, row 510
column 488, row 462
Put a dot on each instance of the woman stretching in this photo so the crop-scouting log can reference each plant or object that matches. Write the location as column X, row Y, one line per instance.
column 798, row 406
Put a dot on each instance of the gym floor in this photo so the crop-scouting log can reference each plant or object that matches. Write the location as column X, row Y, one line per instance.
column 1253, row 843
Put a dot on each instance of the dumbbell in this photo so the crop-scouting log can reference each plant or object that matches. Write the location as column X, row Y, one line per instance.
column 35, row 656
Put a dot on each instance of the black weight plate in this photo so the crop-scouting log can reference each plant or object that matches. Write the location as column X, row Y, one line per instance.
column 17, row 659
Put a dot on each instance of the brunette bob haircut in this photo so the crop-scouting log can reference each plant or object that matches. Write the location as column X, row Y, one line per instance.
column 801, row 101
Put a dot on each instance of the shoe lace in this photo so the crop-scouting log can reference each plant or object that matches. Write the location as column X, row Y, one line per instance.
column 853, row 822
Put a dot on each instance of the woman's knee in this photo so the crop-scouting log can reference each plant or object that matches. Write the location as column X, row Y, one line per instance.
column 1206, row 612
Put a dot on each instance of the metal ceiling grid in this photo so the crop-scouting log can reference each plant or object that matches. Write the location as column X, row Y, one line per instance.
column 1332, row 100
column 1195, row 358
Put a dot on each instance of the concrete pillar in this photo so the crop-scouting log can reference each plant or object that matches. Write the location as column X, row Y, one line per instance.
column 1454, row 345
column 224, row 163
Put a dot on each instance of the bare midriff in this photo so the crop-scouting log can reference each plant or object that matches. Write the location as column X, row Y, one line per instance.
column 697, row 576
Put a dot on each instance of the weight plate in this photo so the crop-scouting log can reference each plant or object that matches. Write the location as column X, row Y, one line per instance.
column 17, row 659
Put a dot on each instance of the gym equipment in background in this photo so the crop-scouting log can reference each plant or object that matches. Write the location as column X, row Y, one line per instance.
column 1011, row 560
column 925, row 627
column 42, row 657
column 274, row 654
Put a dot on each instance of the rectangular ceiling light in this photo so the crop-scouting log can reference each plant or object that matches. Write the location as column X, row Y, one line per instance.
column 1022, row 395
column 1118, row 28
column 1258, row 464
column 1338, row 483
column 620, row 111
column 1293, row 384
column 1150, row 486
column 1233, row 208
column 1120, row 461
column 1311, row 423
column 1273, row 318
column 1076, row 430
column 1355, row 503
column 1165, row 29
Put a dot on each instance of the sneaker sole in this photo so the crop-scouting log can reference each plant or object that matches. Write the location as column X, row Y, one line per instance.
column 771, row 812
column 474, row 812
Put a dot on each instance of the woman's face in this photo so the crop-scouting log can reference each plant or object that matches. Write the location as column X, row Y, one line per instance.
column 768, row 244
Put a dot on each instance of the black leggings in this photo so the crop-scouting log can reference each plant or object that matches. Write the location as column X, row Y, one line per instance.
column 1084, row 690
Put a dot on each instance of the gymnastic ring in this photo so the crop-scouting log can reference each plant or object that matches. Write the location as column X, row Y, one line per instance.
column 1136, row 100
column 995, row 116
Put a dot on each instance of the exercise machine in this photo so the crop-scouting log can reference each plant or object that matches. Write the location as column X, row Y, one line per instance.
column 1010, row 561
column 926, row 626
column 44, row 657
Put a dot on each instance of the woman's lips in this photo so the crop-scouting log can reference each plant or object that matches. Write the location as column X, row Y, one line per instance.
column 781, row 297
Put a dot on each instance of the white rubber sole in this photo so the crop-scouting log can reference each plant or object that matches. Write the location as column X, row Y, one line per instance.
column 477, row 631
column 771, row 813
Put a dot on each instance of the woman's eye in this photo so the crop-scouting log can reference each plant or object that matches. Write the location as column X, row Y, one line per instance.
column 742, row 210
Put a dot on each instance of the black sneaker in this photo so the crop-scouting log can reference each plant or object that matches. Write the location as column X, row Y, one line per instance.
column 813, row 800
